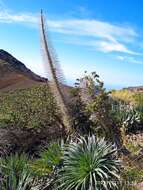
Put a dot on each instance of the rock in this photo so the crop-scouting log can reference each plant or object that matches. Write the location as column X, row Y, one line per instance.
column 140, row 186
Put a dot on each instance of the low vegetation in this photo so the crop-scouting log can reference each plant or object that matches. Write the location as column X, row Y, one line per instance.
column 89, row 164
column 90, row 156
column 32, row 108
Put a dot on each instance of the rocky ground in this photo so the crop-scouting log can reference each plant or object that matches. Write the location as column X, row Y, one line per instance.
column 137, row 140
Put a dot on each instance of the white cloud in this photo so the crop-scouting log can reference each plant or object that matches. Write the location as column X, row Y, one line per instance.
column 121, row 58
column 106, row 46
column 93, row 28
column 129, row 59
column 105, row 37
column 112, row 46
column 7, row 17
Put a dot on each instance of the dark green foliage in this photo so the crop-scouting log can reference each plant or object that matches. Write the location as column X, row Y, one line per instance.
column 81, row 118
column 99, row 106
column 34, row 107
column 50, row 159
column 46, row 166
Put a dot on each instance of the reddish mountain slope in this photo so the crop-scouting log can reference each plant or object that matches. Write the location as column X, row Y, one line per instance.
column 15, row 75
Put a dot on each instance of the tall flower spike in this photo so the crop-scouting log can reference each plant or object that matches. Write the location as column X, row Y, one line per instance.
column 55, row 75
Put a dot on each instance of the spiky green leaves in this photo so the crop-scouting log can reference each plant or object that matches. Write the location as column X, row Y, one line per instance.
column 89, row 165
column 49, row 160
column 15, row 173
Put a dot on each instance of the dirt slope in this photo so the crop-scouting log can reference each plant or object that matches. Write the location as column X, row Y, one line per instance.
column 15, row 75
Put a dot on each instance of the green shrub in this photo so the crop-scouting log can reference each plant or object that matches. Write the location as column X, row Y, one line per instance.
column 15, row 173
column 49, row 160
column 88, row 165
column 91, row 109
column 132, row 175
column 134, row 149
column 34, row 107
column 130, row 103
column 127, row 117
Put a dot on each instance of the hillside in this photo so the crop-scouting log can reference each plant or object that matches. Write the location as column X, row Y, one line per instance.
column 135, row 88
column 15, row 75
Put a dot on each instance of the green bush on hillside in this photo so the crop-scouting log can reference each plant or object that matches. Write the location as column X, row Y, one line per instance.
column 34, row 107
column 89, row 163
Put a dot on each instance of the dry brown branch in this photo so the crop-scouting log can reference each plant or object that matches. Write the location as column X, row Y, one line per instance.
column 56, row 78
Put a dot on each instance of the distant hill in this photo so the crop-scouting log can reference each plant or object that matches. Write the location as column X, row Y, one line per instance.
column 134, row 89
column 15, row 75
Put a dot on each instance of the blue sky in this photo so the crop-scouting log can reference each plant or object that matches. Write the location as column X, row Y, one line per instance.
column 93, row 35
